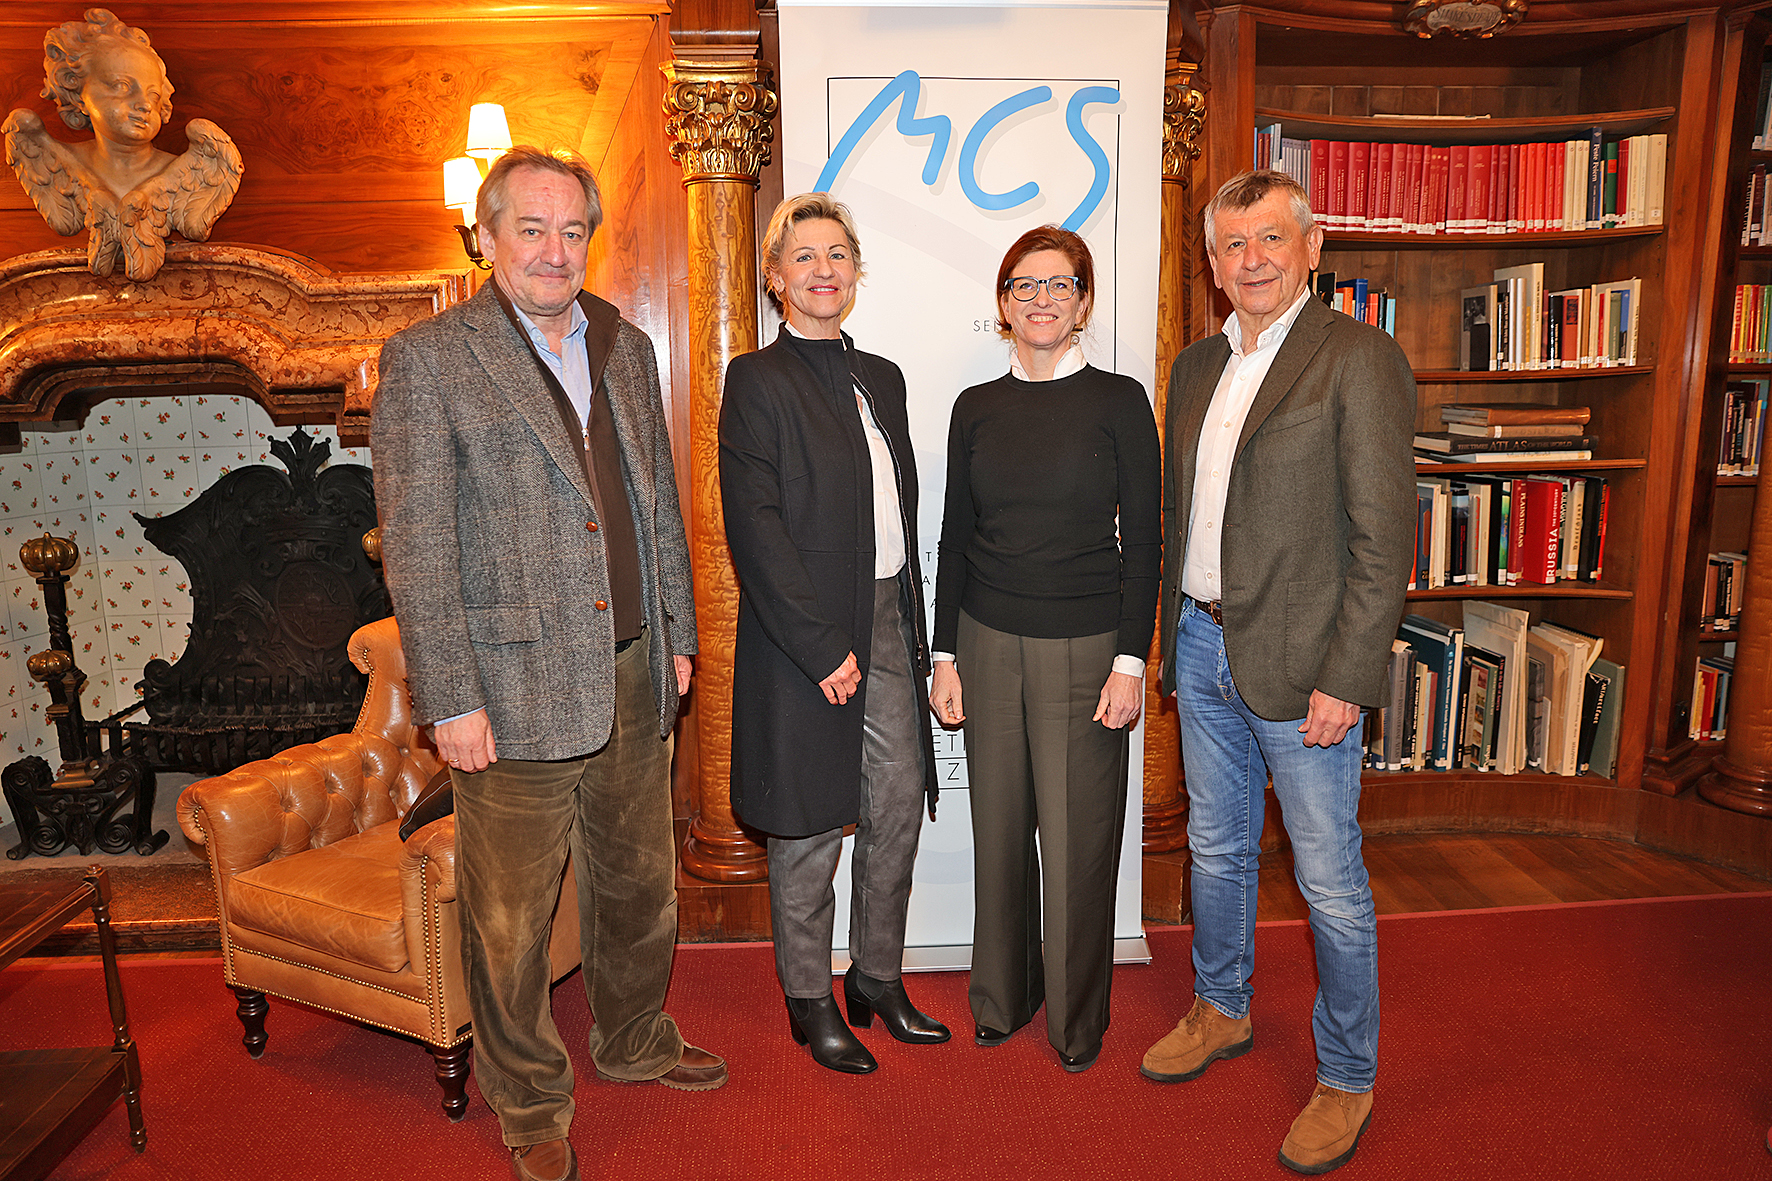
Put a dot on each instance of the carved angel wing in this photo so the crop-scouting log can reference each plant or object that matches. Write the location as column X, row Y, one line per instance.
column 46, row 172
column 207, row 177
column 188, row 197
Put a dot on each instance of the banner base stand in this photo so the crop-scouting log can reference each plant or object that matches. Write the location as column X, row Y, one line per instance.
column 958, row 957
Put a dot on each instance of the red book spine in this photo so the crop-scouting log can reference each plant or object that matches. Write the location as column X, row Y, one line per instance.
column 1339, row 209
column 1320, row 179
column 1476, row 201
column 1571, row 343
column 1379, row 205
column 1600, row 545
column 1533, row 188
column 1439, row 165
column 1554, row 194
column 1622, row 202
column 1359, row 184
column 1504, row 215
column 1516, row 548
column 1544, row 528
column 1401, row 215
column 1415, row 185
column 1457, row 187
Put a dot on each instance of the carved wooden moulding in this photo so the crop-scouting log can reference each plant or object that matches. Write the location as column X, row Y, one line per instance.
column 218, row 317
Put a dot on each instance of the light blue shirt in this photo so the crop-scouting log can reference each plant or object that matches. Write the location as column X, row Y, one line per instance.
column 571, row 365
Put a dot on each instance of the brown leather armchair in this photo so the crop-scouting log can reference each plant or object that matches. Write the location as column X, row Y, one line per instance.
column 320, row 900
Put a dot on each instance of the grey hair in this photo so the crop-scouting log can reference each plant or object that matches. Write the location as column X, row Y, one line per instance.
column 790, row 213
column 495, row 190
column 1248, row 188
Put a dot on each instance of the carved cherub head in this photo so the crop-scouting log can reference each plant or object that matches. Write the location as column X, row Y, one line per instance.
column 102, row 74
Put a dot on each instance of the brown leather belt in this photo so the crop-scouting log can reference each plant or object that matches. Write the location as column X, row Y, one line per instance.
column 1214, row 609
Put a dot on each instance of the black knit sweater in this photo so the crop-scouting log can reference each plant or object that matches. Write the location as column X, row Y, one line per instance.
column 1036, row 473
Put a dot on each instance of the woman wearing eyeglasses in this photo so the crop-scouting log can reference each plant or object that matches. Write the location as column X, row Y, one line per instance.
column 1045, row 598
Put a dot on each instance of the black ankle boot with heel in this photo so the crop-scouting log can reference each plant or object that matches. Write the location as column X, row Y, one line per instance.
column 867, row 997
column 816, row 1024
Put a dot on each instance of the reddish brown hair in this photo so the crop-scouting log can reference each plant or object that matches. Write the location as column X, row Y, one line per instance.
column 1066, row 243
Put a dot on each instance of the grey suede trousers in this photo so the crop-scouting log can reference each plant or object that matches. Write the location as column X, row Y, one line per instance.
column 515, row 823
column 802, row 899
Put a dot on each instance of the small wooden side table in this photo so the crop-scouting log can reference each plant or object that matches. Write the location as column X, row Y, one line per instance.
column 50, row 1099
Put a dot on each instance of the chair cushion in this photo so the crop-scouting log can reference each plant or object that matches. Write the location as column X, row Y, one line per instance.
column 342, row 899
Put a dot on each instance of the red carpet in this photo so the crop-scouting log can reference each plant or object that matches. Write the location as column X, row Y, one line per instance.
column 1625, row 1040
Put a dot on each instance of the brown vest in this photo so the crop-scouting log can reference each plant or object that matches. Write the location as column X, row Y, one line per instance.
column 612, row 514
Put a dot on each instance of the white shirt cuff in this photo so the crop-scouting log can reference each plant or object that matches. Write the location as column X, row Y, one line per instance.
column 940, row 656
column 1132, row 666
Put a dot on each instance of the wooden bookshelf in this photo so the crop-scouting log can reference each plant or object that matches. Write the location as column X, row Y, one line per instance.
column 1712, row 512
column 1343, row 72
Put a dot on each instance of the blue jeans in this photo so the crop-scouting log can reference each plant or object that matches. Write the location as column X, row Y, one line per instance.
column 1227, row 754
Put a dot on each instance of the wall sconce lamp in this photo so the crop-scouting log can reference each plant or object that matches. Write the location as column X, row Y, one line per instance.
column 489, row 137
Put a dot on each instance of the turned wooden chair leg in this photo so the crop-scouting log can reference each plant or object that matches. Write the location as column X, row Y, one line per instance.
column 251, row 1011
column 452, row 1076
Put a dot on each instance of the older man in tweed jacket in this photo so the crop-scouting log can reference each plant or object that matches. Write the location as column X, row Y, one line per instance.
column 535, row 553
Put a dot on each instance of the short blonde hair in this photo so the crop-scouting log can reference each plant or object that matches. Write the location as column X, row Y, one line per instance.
column 1248, row 188
column 790, row 213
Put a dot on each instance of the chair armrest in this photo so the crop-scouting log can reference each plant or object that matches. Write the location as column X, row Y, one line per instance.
column 306, row 797
column 431, row 851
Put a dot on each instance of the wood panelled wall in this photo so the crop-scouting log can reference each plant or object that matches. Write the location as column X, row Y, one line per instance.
column 345, row 112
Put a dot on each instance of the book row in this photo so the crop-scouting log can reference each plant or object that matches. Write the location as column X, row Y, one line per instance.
column 1496, row 530
column 1756, row 219
column 1514, row 323
column 1582, row 184
column 1725, row 585
column 1710, row 697
column 1750, row 328
column 1498, row 694
column 1356, row 298
column 1744, row 427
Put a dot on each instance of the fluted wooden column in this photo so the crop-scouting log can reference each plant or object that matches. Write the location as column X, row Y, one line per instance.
column 1741, row 777
column 719, row 114
column 1165, row 800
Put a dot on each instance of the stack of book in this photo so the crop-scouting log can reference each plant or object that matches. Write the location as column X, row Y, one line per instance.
column 1582, row 184
column 1744, row 427
column 1725, row 585
column 1750, row 330
column 1756, row 218
column 1710, row 697
column 1514, row 432
column 1357, row 298
column 1514, row 323
column 1497, row 694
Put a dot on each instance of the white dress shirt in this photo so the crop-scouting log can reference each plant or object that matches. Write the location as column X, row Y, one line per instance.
column 889, row 553
column 1202, row 577
column 1073, row 361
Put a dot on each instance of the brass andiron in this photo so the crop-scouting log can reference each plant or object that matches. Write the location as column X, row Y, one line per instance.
column 84, row 803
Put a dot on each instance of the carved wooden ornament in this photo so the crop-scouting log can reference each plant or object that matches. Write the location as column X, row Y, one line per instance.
column 1463, row 18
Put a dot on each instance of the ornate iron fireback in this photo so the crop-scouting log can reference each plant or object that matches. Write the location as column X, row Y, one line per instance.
column 279, row 581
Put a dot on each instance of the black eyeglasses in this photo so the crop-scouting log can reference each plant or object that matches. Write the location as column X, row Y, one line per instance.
column 1059, row 287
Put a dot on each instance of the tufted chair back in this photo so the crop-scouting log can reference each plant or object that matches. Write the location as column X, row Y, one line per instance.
column 320, row 900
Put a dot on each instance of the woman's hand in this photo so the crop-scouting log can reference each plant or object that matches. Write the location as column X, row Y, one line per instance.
column 944, row 694
column 843, row 684
column 1121, row 700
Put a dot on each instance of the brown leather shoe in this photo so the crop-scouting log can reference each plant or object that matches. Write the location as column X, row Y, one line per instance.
column 1327, row 1131
column 698, row 1070
column 1201, row 1038
column 551, row 1160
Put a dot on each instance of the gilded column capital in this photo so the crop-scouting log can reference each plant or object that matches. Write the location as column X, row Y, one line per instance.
column 1184, row 119
column 719, row 118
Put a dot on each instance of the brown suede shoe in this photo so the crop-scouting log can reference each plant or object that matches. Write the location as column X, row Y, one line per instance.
column 1327, row 1131
column 1201, row 1038
column 698, row 1070
column 551, row 1160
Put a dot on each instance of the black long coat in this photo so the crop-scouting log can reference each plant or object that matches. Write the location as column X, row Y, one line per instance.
column 797, row 482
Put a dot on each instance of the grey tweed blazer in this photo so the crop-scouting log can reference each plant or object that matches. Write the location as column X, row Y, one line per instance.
column 1319, row 517
column 495, row 576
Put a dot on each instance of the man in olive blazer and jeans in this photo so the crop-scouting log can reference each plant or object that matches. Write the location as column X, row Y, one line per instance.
column 536, row 557
column 1290, row 509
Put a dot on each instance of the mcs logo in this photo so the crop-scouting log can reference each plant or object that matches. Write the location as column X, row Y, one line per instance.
column 906, row 90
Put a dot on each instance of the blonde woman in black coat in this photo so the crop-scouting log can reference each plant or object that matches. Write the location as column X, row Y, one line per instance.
column 820, row 491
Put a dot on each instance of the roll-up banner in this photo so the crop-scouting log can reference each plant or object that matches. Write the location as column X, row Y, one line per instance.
column 950, row 130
